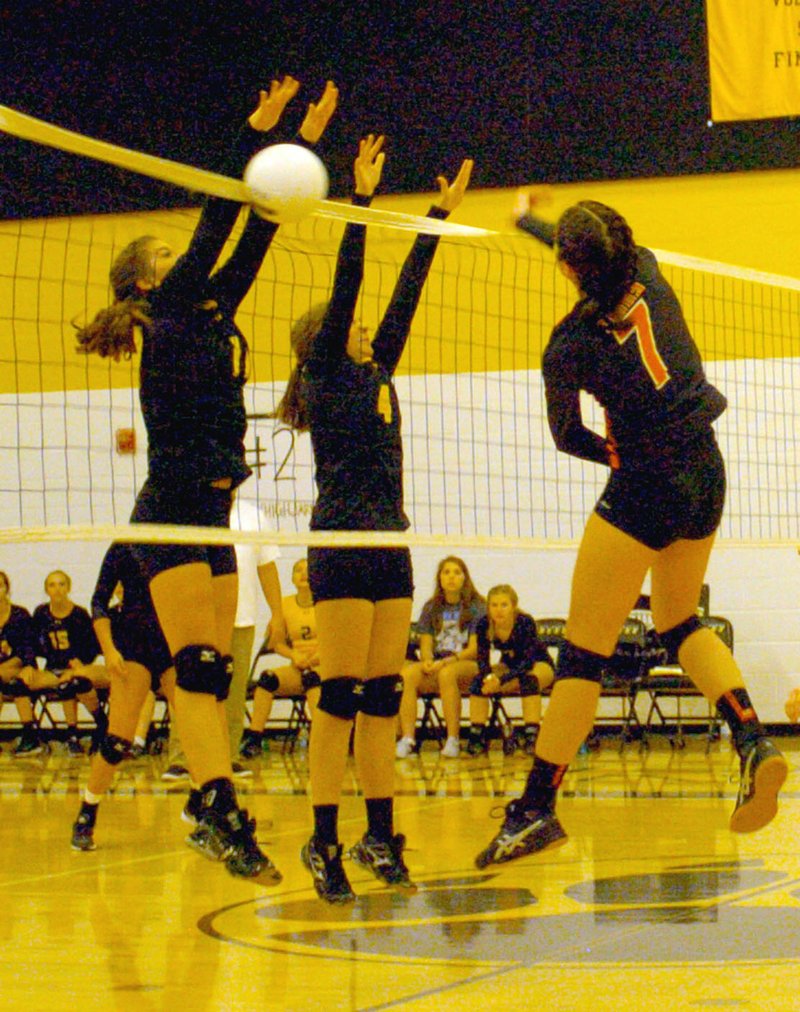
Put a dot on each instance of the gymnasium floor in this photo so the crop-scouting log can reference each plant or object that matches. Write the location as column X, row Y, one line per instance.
column 652, row 903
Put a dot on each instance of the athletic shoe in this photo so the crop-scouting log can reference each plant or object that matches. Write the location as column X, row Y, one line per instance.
column 83, row 834
column 383, row 858
column 477, row 743
column 240, row 771
column 523, row 832
column 452, row 748
column 231, row 839
column 191, row 810
column 325, row 864
column 175, row 772
column 404, row 748
column 251, row 747
column 73, row 746
column 764, row 770
column 27, row 745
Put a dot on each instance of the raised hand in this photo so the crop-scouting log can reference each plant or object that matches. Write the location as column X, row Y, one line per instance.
column 529, row 198
column 451, row 194
column 368, row 165
column 272, row 103
column 319, row 113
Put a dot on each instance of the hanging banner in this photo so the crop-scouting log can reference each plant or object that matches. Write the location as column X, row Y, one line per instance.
column 754, row 58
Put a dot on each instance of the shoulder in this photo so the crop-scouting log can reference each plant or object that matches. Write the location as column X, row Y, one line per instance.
column 18, row 612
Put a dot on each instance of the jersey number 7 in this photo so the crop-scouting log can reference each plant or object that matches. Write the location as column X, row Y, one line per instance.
column 642, row 327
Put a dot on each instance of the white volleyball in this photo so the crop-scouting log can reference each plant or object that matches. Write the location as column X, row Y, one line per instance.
column 285, row 182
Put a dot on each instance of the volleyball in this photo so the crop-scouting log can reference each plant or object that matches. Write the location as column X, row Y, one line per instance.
column 285, row 182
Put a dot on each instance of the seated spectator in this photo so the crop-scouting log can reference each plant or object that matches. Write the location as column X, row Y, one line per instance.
column 447, row 654
column 17, row 659
column 138, row 660
column 66, row 640
column 300, row 675
column 521, row 662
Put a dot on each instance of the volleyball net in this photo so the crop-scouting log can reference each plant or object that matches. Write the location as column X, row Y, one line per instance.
column 479, row 459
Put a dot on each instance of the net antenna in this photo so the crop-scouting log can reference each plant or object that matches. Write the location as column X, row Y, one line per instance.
column 212, row 183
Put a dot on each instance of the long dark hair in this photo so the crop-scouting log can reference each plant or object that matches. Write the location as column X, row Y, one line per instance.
column 597, row 243
column 469, row 595
column 112, row 333
column 291, row 409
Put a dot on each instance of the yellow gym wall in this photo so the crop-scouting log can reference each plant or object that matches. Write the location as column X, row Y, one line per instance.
column 55, row 270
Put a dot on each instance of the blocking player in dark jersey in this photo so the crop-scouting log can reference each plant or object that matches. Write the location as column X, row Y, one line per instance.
column 193, row 369
column 17, row 660
column 521, row 658
column 627, row 343
column 137, row 659
column 67, row 643
column 341, row 390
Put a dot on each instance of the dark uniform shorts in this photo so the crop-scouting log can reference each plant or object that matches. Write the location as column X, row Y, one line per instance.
column 683, row 498
column 139, row 639
column 196, row 505
column 370, row 574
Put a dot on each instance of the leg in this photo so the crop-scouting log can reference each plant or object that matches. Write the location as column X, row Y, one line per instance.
column 411, row 673
column 380, row 849
column 185, row 600
column 608, row 576
column 451, row 677
column 677, row 579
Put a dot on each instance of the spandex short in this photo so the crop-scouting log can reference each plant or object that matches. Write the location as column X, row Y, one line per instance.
column 193, row 505
column 142, row 642
column 683, row 499
column 369, row 574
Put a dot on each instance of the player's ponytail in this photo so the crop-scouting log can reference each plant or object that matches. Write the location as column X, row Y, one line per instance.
column 112, row 333
column 597, row 243
column 291, row 409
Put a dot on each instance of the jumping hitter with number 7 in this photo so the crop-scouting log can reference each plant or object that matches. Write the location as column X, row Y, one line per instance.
column 627, row 344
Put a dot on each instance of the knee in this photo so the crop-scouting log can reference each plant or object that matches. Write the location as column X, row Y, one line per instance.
column 340, row 697
column 381, row 696
column 576, row 662
column 114, row 749
column 674, row 638
column 202, row 669
column 269, row 682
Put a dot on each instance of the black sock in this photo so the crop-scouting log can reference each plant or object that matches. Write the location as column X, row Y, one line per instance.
column 326, row 824
column 88, row 814
column 380, row 815
column 544, row 780
column 736, row 708
column 219, row 795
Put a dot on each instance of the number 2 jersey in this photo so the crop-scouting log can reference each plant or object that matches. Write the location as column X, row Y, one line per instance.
column 648, row 377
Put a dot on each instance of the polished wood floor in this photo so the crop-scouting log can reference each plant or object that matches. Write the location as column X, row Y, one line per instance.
column 652, row 904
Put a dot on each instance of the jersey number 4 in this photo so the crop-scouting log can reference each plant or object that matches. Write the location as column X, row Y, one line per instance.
column 642, row 327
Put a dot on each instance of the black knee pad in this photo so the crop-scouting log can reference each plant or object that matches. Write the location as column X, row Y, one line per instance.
column 309, row 679
column 340, row 697
column 82, row 684
column 200, row 668
column 114, row 749
column 575, row 662
column 529, row 685
column 673, row 639
column 15, row 688
column 268, row 681
column 381, row 696
column 475, row 685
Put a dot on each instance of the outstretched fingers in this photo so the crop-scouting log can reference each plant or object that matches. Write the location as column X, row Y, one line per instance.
column 451, row 194
column 368, row 165
column 319, row 114
column 272, row 103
